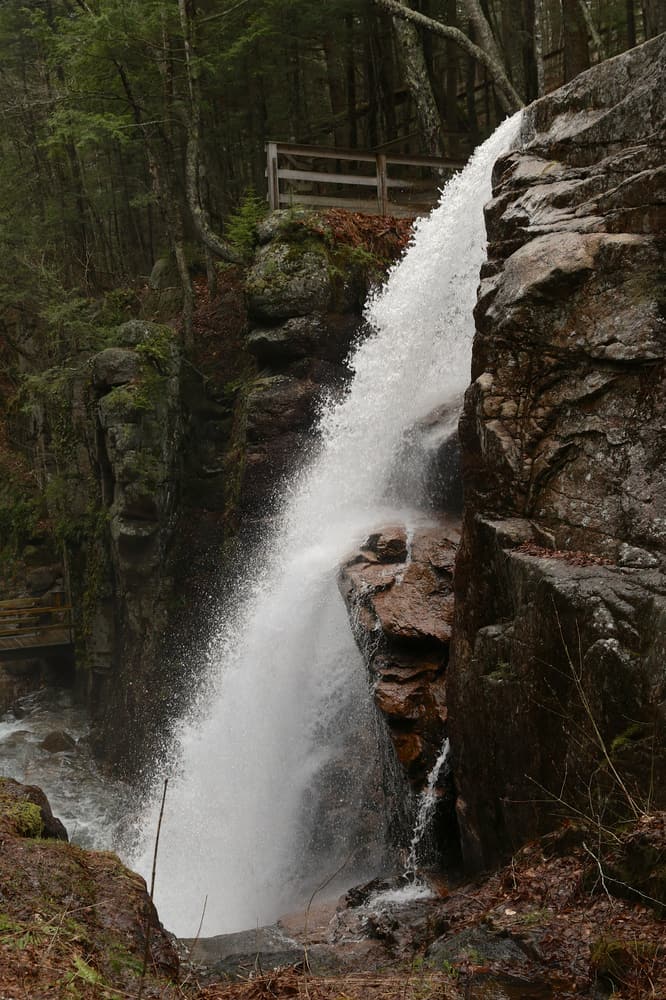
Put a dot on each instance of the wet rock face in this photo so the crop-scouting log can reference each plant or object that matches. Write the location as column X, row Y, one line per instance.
column 304, row 314
column 399, row 592
column 25, row 811
column 560, row 587
column 136, row 409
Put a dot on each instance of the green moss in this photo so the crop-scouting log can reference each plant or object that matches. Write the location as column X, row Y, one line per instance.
column 613, row 959
column 629, row 737
column 127, row 403
column 158, row 347
column 502, row 673
column 533, row 918
column 122, row 960
column 26, row 818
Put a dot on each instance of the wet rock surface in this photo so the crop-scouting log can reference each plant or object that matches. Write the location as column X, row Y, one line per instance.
column 399, row 592
column 543, row 927
column 303, row 319
column 135, row 391
column 560, row 622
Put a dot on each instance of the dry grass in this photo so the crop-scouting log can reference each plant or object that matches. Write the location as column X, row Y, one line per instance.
column 404, row 985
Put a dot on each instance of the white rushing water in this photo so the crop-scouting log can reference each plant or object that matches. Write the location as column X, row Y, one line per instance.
column 425, row 809
column 277, row 779
column 89, row 804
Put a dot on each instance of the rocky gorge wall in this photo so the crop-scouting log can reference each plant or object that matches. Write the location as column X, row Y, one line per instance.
column 557, row 682
column 146, row 463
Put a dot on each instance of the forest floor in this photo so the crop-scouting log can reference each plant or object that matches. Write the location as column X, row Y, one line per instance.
column 569, row 917
column 552, row 923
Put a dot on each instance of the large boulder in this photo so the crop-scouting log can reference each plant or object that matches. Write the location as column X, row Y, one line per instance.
column 288, row 281
column 557, row 689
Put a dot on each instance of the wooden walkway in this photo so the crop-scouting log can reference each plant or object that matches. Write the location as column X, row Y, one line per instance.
column 34, row 626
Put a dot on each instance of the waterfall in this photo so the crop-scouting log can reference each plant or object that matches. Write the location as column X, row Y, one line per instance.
column 425, row 809
column 278, row 779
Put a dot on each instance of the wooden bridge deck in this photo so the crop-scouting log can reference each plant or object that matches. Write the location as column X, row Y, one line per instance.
column 33, row 626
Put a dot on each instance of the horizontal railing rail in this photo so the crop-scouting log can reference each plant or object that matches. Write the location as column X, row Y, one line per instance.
column 29, row 622
column 287, row 175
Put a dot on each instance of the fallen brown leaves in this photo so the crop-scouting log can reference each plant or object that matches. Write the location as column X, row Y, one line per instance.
column 574, row 557
column 385, row 237
column 552, row 900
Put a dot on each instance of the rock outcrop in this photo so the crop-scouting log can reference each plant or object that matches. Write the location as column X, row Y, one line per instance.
column 126, row 408
column 305, row 310
column 73, row 922
column 557, row 690
column 399, row 592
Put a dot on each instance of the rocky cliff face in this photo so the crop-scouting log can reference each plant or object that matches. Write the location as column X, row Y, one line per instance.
column 557, row 690
column 152, row 459
column 305, row 298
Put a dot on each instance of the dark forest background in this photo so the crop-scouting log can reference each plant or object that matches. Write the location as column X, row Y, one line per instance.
column 131, row 129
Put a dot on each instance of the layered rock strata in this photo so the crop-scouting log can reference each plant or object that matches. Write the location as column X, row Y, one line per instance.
column 399, row 591
column 557, row 689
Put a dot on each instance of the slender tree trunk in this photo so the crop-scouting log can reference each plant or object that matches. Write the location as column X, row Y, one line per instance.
column 539, row 27
column 336, row 90
column 529, row 51
column 199, row 214
column 513, row 35
column 631, row 23
column 470, row 97
column 418, row 83
column 452, row 84
column 350, row 67
column 576, row 50
column 654, row 17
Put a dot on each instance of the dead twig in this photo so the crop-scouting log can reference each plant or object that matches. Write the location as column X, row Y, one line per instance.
column 146, row 950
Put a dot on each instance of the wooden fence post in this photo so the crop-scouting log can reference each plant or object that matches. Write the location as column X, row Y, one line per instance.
column 272, row 175
column 382, row 186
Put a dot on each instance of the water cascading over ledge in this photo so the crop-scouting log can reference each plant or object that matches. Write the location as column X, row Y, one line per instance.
column 278, row 773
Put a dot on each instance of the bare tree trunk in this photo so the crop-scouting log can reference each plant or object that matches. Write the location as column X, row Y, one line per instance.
column 350, row 70
column 483, row 30
column 592, row 31
column 538, row 47
column 654, row 17
column 336, row 90
column 631, row 23
column 576, row 50
column 508, row 96
column 513, row 34
column 193, row 151
column 418, row 83
column 452, row 84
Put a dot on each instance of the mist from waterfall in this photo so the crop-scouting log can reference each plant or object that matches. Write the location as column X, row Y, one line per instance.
column 276, row 772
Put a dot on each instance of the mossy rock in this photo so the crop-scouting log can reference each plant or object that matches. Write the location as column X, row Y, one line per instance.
column 287, row 281
column 25, row 812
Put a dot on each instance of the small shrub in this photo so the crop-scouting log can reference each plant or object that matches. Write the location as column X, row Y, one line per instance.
column 241, row 226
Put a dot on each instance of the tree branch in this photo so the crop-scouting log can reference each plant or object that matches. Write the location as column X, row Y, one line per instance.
column 508, row 97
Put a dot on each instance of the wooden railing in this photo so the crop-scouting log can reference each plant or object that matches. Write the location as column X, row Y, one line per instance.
column 30, row 624
column 295, row 178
